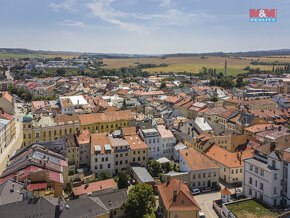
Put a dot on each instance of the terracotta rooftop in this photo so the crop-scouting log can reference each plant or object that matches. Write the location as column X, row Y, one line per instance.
column 106, row 117
column 226, row 158
column 225, row 191
column 94, row 187
column 83, row 136
column 183, row 201
column 129, row 130
column 100, row 139
column 136, row 142
column 196, row 160
column 165, row 133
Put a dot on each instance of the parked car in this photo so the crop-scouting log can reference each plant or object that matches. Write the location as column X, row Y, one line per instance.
column 216, row 188
column 207, row 189
column 201, row 214
column 133, row 182
column 195, row 191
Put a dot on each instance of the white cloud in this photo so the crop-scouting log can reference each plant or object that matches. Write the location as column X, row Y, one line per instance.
column 72, row 23
column 104, row 11
column 164, row 3
column 65, row 5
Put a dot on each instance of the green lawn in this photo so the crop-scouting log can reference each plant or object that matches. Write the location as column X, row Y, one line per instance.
column 251, row 209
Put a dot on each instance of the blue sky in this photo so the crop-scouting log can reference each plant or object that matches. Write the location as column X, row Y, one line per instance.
column 142, row 26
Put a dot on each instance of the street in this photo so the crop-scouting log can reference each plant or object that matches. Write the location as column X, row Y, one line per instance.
column 8, row 75
column 16, row 142
column 205, row 202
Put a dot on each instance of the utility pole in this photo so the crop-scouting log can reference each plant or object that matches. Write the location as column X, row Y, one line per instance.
column 225, row 67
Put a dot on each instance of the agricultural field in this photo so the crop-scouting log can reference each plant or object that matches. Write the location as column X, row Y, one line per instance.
column 6, row 55
column 188, row 64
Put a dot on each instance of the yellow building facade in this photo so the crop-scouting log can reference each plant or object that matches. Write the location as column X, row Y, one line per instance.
column 105, row 122
column 48, row 128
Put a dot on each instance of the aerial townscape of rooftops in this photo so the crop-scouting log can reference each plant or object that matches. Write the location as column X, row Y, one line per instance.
column 144, row 109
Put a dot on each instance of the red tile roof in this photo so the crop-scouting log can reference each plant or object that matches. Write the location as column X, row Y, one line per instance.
column 94, row 187
column 225, row 191
column 37, row 186
column 183, row 201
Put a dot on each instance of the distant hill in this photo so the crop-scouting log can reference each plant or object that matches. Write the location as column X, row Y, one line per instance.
column 22, row 51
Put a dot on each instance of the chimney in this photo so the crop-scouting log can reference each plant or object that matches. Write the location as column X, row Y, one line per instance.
column 272, row 146
column 174, row 195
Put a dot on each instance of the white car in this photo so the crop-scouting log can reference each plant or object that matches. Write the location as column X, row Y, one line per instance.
column 201, row 214
column 195, row 191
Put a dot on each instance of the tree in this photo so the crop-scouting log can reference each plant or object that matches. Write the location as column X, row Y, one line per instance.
column 163, row 85
column 122, row 181
column 155, row 166
column 69, row 186
column 214, row 98
column 105, row 175
column 239, row 82
column 141, row 201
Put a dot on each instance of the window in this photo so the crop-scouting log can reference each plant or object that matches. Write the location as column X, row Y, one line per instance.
column 198, row 183
column 121, row 162
column 250, row 180
column 134, row 159
column 275, row 190
column 96, row 167
column 101, row 166
column 273, row 164
column 251, row 167
column 262, row 172
column 109, row 165
column 256, row 183
column 203, row 183
column 261, row 197
column 233, row 171
column 37, row 135
column 275, row 176
column 250, row 191
column 241, row 170
column 193, row 176
column 116, row 162
column 256, row 169
column 199, row 176
column 96, row 159
column 214, row 174
column 237, row 170
column 203, row 175
column 106, row 158
column 126, row 161
column 261, row 186
column 224, row 169
column 117, row 155
column 209, row 174
column 103, row 159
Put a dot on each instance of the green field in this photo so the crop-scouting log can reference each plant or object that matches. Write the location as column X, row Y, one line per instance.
column 251, row 209
column 7, row 55
column 196, row 68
